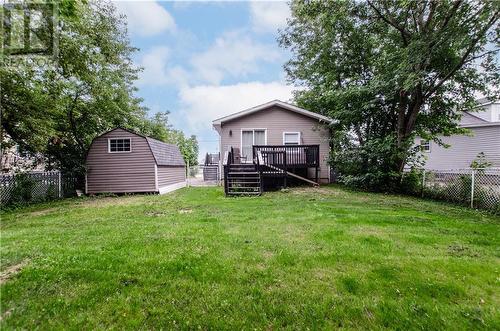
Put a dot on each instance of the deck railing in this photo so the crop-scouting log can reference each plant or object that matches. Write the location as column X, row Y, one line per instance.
column 289, row 156
column 226, row 162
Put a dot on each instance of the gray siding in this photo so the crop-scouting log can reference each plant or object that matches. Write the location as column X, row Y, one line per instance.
column 276, row 121
column 170, row 175
column 120, row 172
column 471, row 119
column 464, row 149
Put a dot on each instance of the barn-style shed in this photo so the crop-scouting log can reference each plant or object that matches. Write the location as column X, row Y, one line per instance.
column 123, row 161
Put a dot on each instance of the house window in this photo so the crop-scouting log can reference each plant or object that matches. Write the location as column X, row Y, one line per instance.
column 119, row 145
column 425, row 146
column 250, row 137
column 291, row 138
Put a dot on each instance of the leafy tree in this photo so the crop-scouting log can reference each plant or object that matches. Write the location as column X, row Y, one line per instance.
column 159, row 128
column 388, row 71
column 58, row 108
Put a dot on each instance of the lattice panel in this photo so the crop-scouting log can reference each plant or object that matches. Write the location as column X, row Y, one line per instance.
column 35, row 186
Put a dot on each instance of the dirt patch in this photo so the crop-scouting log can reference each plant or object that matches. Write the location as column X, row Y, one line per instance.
column 111, row 201
column 185, row 211
column 268, row 255
column 315, row 191
column 155, row 213
column 43, row 212
column 6, row 314
column 11, row 271
column 461, row 250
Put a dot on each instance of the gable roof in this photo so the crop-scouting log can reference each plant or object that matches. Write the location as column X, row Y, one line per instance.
column 163, row 153
column 267, row 105
column 468, row 118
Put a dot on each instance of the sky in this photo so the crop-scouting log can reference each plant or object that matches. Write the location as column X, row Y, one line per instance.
column 205, row 60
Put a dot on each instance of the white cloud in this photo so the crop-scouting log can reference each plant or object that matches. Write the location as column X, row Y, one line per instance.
column 234, row 54
column 156, row 70
column 269, row 16
column 146, row 18
column 154, row 64
column 201, row 105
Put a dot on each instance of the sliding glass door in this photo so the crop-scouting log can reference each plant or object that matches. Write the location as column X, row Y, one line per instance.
column 249, row 138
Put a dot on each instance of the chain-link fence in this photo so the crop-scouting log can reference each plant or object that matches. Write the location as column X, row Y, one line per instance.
column 477, row 188
column 35, row 186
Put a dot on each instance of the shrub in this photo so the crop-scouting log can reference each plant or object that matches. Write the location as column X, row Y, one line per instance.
column 23, row 189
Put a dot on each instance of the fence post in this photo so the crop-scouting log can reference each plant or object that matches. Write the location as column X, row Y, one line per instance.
column 187, row 174
column 423, row 182
column 60, row 184
column 472, row 189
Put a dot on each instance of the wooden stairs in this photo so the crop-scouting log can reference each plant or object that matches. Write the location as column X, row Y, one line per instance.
column 243, row 179
column 248, row 178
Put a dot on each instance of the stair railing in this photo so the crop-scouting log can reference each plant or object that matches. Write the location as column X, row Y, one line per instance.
column 228, row 160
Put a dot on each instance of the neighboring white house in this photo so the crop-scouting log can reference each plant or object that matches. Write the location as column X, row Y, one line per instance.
column 484, row 126
column 14, row 159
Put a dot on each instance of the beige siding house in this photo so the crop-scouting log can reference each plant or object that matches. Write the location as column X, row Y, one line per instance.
column 290, row 130
column 122, row 161
column 484, row 137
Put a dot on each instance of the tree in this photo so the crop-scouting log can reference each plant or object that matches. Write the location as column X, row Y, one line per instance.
column 388, row 71
column 159, row 128
column 58, row 108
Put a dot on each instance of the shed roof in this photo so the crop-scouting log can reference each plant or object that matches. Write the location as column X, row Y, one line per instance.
column 279, row 103
column 165, row 154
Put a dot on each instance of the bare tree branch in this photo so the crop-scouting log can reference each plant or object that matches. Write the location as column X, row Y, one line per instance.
column 482, row 55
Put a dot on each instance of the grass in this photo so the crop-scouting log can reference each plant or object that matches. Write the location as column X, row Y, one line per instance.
column 306, row 258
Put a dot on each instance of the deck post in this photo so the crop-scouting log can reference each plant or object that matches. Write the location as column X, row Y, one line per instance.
column 285, row 167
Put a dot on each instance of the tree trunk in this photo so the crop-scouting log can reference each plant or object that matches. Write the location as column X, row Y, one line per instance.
column 407, row 117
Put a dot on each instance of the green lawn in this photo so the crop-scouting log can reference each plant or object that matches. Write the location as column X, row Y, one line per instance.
column 305, row 258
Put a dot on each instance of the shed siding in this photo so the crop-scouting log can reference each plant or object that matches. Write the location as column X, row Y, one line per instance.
column 276, row 121
column 120, row 172
column 464, row 149
column 168, row 175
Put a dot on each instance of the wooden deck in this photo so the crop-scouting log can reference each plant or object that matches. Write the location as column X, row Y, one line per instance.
column 289, row 156
column 269, row 161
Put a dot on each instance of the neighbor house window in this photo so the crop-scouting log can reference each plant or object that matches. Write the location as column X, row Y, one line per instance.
column 119, row 145
column 250, row 137
column 291, row 138
column 425, row 146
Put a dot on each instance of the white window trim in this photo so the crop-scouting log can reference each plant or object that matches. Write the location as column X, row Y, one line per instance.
column 114, row 138
column 424, row 150
column 253, row 138
column 292, row 132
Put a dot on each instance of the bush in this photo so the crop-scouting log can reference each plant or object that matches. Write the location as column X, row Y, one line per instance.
column 23, row 189
column 27, row 189
column 411, row 182
column 376, row 181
